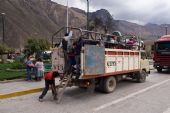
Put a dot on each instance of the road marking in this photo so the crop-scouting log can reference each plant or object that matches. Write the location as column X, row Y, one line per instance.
column 128, row 96
column 167, row 111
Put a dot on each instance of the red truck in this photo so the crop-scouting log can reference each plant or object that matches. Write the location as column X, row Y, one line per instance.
column 162, row 53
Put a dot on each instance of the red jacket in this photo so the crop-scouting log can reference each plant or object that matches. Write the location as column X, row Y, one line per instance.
column 49, row 76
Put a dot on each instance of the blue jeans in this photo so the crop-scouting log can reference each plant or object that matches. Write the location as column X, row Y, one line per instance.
column 77, row 58
column 28, row 71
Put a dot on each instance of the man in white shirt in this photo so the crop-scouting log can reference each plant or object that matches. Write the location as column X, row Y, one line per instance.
column 64, row 45
column 67, row 38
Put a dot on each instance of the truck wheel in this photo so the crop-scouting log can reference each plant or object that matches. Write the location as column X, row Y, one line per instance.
column 141, row 76
column 99, row 87
column 159, row 70
column 109, row 84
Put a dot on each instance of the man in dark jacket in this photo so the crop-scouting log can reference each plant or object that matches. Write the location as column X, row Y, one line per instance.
column 78, row 47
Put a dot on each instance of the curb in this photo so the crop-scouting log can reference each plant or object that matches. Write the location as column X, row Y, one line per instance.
column 14, row 80
column 20, row 93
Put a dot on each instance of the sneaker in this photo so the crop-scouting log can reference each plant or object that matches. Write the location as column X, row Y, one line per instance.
column 40, row 99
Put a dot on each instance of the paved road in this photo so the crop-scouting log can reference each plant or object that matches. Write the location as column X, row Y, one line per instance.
column 153, row 96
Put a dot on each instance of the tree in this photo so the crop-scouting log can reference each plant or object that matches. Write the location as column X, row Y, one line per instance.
column 4, row 50
column 36, row 46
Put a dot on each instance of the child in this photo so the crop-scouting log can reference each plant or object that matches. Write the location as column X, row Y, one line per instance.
column 49, row 81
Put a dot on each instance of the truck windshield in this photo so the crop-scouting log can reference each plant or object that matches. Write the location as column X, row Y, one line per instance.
column 163, row 46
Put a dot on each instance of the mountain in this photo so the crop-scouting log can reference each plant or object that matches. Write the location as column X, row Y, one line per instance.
column 147, row 32
column 103, row 20
column 35, row 18
column 42, row 18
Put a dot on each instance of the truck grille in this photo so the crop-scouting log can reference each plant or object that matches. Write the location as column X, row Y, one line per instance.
column 163, row 58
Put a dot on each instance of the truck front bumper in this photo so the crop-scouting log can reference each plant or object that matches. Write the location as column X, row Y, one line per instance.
column 162, row 65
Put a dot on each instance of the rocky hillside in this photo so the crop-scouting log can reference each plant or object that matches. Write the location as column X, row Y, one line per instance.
column 148, row 31
column 41, row 18
column 35, row 18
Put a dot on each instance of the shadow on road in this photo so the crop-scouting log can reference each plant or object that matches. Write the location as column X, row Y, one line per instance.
column 79, row 94
column 166, row 71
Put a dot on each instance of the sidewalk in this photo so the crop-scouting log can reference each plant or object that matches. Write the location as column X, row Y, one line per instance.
column 19, row 88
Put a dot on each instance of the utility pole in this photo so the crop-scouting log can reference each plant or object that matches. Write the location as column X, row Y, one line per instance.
column 166, row 29
column 87, row 14
column 67, row 17
column 87, row 18
column 3, row 27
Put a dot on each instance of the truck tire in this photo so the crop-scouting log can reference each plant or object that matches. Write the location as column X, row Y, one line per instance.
column 159, row 69
column 109, row 84
column 81, row 87
column 141, row 76
column 99, row 87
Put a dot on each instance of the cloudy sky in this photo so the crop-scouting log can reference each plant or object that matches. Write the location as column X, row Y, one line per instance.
column 137, row 11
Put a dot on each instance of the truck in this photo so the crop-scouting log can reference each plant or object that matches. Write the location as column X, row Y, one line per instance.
column 102, row 67
column 162, row 53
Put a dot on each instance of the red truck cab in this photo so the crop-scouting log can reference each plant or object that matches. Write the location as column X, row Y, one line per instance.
column 162, row 53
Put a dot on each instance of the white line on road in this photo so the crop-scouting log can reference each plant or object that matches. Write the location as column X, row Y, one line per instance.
column 128, row 96
column 167, row 111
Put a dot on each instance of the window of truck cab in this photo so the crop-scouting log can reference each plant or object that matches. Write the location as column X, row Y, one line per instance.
column 162, row 46
column 143, row 55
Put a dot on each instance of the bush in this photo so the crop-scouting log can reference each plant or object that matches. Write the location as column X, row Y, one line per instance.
column 17, row 65
column 14, row 65
column 9, row 75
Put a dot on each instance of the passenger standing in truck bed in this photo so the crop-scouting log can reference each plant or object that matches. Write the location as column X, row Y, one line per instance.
column 64, row 45
column 78, row 47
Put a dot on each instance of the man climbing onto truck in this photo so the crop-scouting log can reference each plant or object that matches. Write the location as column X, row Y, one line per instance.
column 64, row 45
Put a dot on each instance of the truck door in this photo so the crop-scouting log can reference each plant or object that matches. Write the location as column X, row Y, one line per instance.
column 93, row 60
column 144, row 61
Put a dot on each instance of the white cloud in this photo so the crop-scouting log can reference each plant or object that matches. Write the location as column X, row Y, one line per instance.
column 140, row 11
column 81, row 4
